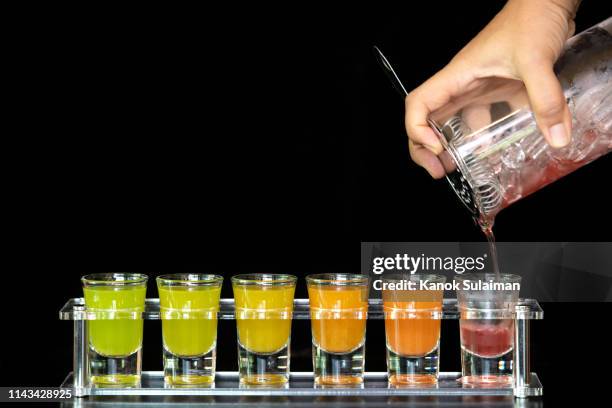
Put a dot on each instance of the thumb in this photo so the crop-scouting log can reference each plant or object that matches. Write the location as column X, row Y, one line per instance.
column 548, row 103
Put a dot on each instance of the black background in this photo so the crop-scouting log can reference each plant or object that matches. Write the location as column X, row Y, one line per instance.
column 247, row 140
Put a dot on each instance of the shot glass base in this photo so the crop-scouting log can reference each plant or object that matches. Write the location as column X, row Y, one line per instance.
column 187, row 381
column 196, row 371
column 417, row 371
column 416, row 380
column 263, row 370
column 487, row 381
column 264, row 380
column 338, row 382
column 482, row 371
column 115, row 381
column 120, row 372
column 338, row 369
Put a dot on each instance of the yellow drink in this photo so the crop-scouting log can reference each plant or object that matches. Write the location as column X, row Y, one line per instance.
column 264, row 308
column 197, row 333
column 188, row 305
column 263, row 316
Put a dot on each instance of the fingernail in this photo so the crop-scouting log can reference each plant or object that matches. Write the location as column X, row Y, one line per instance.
column 558, row 135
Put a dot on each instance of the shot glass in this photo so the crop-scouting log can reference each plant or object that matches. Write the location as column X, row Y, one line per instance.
column 114, row 303
column 486, row 304
column 264, row 309
column 188, row 305
column 412, row 328
column 338, row 312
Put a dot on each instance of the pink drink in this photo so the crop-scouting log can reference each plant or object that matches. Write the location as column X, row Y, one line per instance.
column 487, row 329
column 487, row 338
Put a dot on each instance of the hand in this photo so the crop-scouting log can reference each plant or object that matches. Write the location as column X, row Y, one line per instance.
column 522, row 42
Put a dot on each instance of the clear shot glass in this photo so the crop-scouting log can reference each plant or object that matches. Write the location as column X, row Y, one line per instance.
column 487, row 328
column 412, row 328
column 188, row 305
column 338, row 312
column 264, row 309
column 115, row 303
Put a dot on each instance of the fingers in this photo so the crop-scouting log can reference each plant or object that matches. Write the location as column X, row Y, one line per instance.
column 571, row 29
column 433, row 94
column 548, row 102
column 416, row 124
column 426, row 159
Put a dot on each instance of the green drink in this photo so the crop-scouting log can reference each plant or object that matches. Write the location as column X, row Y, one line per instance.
column 116, row 302
column 189, row 304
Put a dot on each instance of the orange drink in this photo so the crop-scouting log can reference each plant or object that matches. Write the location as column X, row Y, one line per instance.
column 337, row 326
column 412, row 327
column 264, row 307
column 338, row 309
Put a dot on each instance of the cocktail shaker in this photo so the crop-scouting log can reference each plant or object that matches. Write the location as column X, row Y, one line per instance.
column 494, row 153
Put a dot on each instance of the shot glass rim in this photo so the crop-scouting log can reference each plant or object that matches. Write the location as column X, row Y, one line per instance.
column 337, row 279
column 505, row 277
column 264, row 279
column 110, row 279
column 184, row 279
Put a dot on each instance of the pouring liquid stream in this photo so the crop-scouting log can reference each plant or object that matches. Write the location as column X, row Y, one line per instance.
column 487, row 229
column 492, row 250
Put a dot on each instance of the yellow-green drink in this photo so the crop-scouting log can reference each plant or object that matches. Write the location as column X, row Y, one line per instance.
column 120, row 336
column 115, row 301
column 189, row 304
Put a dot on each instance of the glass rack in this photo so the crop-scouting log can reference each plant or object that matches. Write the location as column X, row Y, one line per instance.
column 525, row 383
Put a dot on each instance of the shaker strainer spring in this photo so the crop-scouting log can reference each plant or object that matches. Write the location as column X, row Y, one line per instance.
column 477, row 171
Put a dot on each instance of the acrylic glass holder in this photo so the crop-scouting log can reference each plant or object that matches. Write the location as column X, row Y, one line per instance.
column 301, row 384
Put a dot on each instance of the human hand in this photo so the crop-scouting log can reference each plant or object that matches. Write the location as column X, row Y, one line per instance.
column 522, row 42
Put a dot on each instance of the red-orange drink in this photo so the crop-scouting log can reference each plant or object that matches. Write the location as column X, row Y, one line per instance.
column 412, row 332
column 412, row 327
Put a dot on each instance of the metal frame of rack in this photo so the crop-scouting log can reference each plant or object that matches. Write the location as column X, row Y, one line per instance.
column 526, row 383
